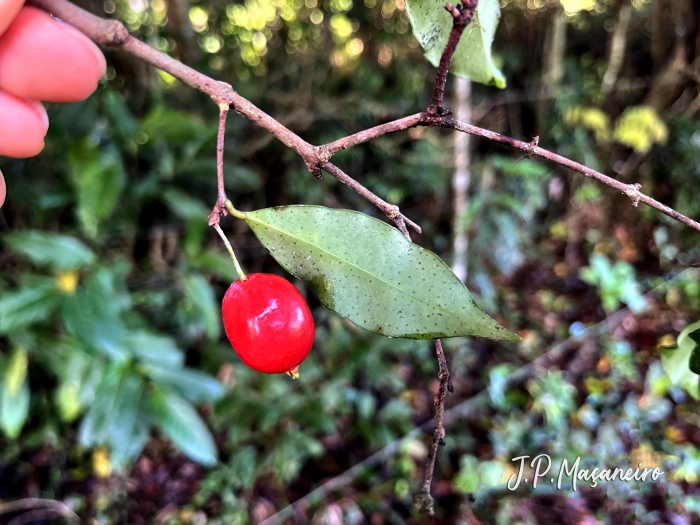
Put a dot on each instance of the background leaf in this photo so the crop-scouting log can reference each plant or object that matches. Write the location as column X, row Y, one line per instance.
column 181, row 423
column 472, row 58
column 14, row 410
column 365, row 270
column 676, row 361
column 27, row 305
column 93, row 316
column 99, row 179
column 193, row 385
column 200, row 292
column 60, row 252
column 155, row 349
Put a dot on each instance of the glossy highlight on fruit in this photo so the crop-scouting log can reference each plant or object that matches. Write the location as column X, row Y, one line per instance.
column 268, row 323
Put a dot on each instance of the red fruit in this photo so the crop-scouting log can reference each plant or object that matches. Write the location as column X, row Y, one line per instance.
column 268, row 323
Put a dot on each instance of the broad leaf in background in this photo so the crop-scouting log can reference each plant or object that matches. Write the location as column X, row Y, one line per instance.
column 92, row 314
column 154, row 349
column 28, row 305
column 99, row 178
column 472, row 58
column 681, row 361
column 181, row 423
column 14, row 395
column 128, row 425
column 94, row 426
column 60, row 252
column 171, row 126
column 193, row 385
column 200, row 292
column 365, row 270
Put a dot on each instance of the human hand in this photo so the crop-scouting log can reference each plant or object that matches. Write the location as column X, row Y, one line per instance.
column 41, row 58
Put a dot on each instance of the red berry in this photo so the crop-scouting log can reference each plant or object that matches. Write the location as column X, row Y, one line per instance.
column 268, row 323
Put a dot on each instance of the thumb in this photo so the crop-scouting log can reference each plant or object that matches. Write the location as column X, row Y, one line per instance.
column 8, row 12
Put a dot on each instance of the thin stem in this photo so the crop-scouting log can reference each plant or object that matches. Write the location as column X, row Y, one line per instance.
column 241, row 275
column 423, row 501
column 223, row 112
column 529, row 148
column 461, row 17
column 391, row 210
column 220, row 206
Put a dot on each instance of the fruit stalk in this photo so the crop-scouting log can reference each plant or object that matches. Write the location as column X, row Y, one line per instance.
column 242, row 276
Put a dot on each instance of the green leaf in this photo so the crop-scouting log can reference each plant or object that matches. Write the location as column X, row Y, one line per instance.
column 93, row 327
column 181, row 423
column 155, row 349
column 60, row 252
column 472, row 59
column 171, row 126
column 184, row 206
column 94, row 427
column 124, row 124
column 193, row 385
column 365, row 270
column 14, row 396
column 14, row 410
column 201, row 294
column 99, row 179
column 128, row 425
column 27, row 305
column 677, row 361
column 217, row 262
column 92, row 315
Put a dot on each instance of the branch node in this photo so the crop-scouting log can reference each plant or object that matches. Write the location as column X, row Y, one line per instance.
column 424, row 503
column 533, row 146
column 392, row 212
column 632, row 191
column 323, row 153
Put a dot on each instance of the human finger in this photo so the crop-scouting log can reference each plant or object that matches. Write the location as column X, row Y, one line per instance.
column 42, row 58
column 8, row 11
column 23, row 126
column 2, row 190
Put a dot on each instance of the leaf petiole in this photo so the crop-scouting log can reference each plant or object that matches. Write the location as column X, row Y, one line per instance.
column 233, row 211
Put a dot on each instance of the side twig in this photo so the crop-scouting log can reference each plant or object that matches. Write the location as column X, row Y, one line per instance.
column 632, row 191
column 220, row 206
column 32, row 505
column 462, row 15
column 423, row 501
column 112, row 33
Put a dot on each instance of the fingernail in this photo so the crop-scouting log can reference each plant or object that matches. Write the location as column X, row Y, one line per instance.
column 40, row 110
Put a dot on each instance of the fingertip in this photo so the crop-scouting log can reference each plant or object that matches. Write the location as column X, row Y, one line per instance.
column 8, row 11
column 43, row 58
column 23, row 126
column 3, row 191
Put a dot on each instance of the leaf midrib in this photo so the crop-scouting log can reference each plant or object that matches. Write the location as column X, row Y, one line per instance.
column 406, row 292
